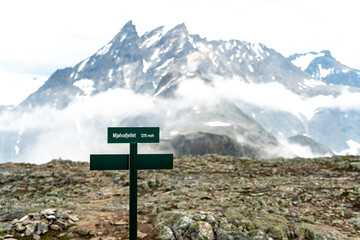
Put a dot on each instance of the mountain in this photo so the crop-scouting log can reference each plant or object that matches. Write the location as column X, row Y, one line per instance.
column 144, row 63
column 185, row 84
column 325, row 67
column 210, row 143
column 315, row 147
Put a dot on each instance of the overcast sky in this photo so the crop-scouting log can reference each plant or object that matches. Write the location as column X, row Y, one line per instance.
column 40, row 36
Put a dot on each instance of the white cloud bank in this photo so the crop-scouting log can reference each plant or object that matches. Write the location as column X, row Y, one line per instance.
column 81, row 128
column 271, row 95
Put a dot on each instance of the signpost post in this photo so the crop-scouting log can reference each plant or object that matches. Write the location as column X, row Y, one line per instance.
column 132, row 161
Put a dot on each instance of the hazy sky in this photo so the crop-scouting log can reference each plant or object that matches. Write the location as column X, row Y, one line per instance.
column 40, row 36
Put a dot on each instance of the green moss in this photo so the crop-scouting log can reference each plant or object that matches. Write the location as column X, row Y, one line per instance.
column 51, row 235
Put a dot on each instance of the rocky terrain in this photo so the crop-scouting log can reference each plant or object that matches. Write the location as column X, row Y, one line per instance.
column 203, row 197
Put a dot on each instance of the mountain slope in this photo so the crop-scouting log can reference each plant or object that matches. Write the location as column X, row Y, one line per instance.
column 326, row 68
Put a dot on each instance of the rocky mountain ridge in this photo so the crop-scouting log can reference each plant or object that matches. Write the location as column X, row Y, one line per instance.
column 325, row 67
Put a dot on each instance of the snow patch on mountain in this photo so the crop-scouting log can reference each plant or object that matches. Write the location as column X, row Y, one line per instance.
column 86, row 86
column 303, row 60
column 165, row 64
column 324, row 72
column 311, row 83
column 251, row 68
column 110, row 73
column 354, row 148
column 17, row 147
column 104, row 49
column 217, row 124
column 154, row 38
column 83, row 64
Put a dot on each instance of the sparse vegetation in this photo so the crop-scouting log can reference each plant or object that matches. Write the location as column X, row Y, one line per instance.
column 203, row 197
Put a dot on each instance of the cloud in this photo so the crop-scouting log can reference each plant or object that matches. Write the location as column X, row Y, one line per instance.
column 77, row 130
column 81, row 128
column 276, row 97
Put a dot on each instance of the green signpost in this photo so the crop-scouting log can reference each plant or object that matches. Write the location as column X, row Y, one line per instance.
column 132, row 161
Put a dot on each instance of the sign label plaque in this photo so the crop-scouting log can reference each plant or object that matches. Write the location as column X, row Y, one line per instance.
column 133, row 135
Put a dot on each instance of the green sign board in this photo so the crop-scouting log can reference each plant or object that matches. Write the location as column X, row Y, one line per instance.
column 109, row 162
column 132, row 161
column 121, row 161
column 133, row 134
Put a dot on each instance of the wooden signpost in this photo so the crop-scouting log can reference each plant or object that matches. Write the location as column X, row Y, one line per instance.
column 132, row 161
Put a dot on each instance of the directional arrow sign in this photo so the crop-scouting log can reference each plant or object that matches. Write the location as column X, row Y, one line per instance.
column 121, row 161
column 155, row 161
column 109, row 162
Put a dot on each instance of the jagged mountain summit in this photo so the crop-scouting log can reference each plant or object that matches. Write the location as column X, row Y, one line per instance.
column 142, row 63
column 324, row 66
column 185, row 84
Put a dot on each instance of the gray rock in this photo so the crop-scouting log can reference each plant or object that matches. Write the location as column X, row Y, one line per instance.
column 42, row 228
column 55, row 227
column 20, row 227
column 62, row 214
column 5, row 227
column 182, row 225
column 166, row 234
column 29, row 229
column 200, row 230
column 9, row 237
column 36, row 237
column 224, row 235
column 355, row 222
column 37, row 224
column 73, row 218
column 50, row 211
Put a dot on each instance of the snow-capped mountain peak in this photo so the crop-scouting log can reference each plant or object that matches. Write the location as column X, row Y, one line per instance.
column 325, row 67
column 303, row 60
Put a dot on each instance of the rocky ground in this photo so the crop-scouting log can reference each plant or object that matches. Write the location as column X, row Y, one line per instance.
column 203, row 197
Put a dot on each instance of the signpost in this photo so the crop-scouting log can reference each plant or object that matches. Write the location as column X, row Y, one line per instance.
column 132, row 161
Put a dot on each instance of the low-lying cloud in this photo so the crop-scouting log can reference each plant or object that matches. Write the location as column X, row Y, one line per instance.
column 81, row 128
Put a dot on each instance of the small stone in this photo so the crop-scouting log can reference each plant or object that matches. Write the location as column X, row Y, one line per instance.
column 166, row 233
column 49, row 211
column 62, row 223
column 50, row 217
column 151, row 183
column 141, row 235
column 91, row 233
column 121, row 222
column 24, row 218
column 355, row 222
column 14, row 221
column 42, row 228
column 8, row 236
column 29, row 230
column 55, row 227
column 62, row 214
column 36, row 237
column 73, row 218
column 19, row 227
